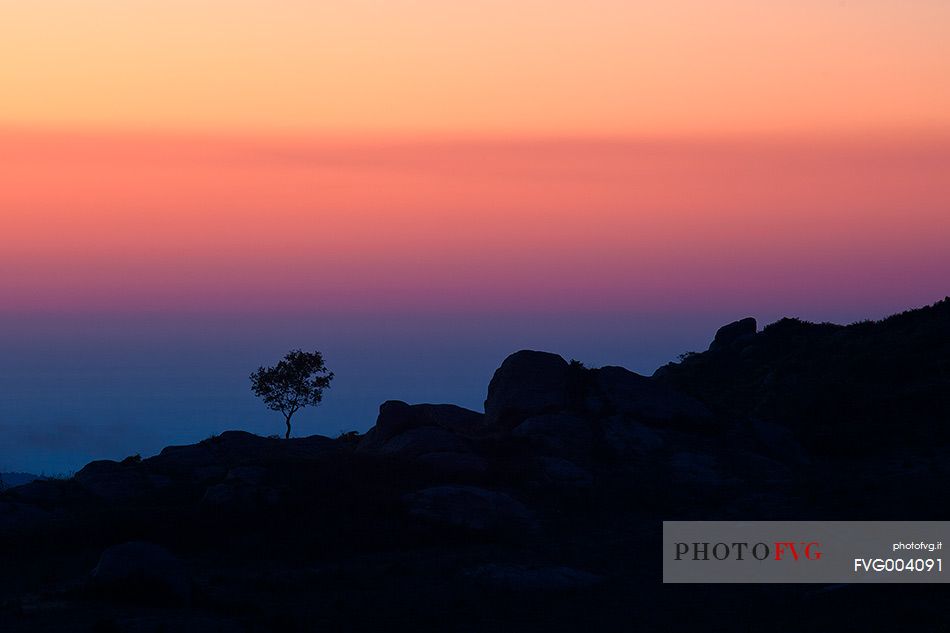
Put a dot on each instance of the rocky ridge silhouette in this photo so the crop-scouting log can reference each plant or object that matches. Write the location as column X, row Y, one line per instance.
column 542, row 513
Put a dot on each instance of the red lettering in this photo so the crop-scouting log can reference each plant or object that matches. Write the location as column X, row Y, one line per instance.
column 780, row 549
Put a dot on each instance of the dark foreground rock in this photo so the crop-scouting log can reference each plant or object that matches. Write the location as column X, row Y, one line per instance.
column 542, row 579
column 141, row 571
column 469, row 508
column 542, row 514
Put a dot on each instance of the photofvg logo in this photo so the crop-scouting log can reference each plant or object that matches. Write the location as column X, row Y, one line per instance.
column 761, row 551
column 819, row 552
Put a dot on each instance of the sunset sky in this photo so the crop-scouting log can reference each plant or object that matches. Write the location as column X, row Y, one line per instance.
column 546, row 67
column 190, row 188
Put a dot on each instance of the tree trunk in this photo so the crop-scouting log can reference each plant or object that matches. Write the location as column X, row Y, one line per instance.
column 287, row 436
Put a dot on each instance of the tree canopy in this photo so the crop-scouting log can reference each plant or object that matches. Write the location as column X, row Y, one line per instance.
column 295, row 382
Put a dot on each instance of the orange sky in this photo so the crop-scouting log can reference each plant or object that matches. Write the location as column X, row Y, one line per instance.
column 127, row 223
column 162, row 154
column 500, row 67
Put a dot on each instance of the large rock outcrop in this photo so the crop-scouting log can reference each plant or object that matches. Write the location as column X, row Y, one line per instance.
column 729, row 334
column 620, row 391
column 113, row 481
column 837, row 388
column 414, row 430
column 527, row 383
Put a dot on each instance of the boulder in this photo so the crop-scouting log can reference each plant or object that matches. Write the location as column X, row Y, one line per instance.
column 469, row 508
column 415, row 442
column 99, row 467
column 237, row 496
column 248, row 475
column 220, row 495
column 143, row 572
column 739, row 330
column 527, row 383
column 454, row 463
column 397, row 419
column 451, row 417
column 159, row 482
column 211, row 458
column 114, row 482
column 563, row 473
column 778, row 442
column 618, row 390
column 395, row 416
column 628, row 439
column 557, row 434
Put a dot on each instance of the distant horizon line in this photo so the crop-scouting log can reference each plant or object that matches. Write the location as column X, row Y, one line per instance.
column 389, row 313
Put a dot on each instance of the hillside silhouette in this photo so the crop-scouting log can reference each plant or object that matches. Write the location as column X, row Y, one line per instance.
column 8, row 480
column 542, row 513
column 838, row 387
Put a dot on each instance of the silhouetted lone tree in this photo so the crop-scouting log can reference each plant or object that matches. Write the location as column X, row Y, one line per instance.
column 293, row 383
